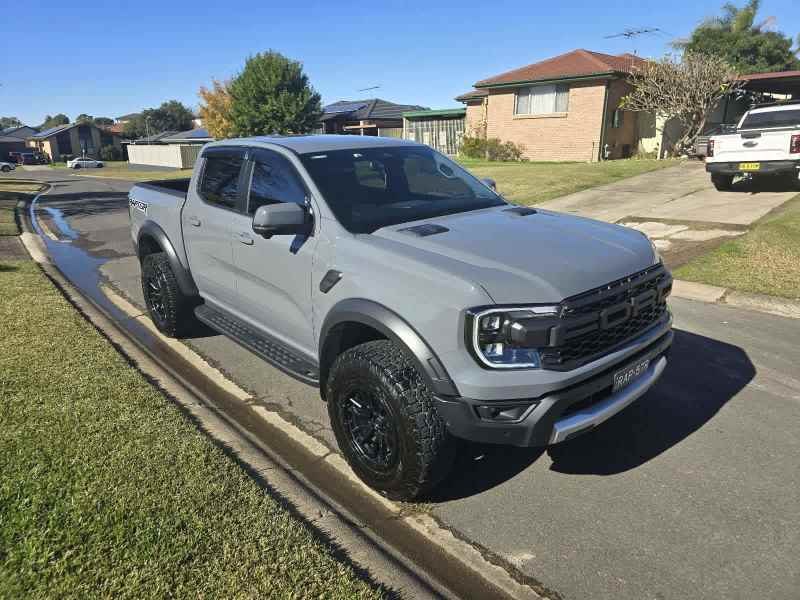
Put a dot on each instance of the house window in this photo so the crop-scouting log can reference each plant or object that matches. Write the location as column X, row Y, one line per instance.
column 616, row 119
column 542, row 100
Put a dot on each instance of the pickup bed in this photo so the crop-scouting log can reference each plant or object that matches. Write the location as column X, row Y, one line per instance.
column 422, row 304
column 767, row 142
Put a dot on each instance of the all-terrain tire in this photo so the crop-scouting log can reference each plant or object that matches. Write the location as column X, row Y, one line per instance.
column 722, row 182
column 171, row 311
column 380, row 372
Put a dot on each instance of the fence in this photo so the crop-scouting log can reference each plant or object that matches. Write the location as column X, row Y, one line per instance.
column 177, row 156
column 442, row 134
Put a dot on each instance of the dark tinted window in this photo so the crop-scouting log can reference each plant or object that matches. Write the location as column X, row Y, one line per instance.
column 370, row 188
column 778, row 118
column 274, row 180
column 220, row 183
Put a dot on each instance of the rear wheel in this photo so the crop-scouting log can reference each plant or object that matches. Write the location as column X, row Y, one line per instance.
column 76, row 167
column 722, row 182
column 6, row 168
column 385, row 422
column 99, row 165
column 171, row 311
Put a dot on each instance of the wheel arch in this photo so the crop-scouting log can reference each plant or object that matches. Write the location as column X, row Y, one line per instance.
column 151, row 239
column 355, row 321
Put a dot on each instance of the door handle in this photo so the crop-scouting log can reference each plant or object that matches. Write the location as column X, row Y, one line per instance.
column 194, row 221
column 245, row 238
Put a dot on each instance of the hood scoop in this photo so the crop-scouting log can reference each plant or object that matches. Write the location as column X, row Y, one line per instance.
column 424, row 230
column 521, row 211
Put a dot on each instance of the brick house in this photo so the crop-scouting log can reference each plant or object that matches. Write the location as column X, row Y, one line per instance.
column 73, row 139
column 562, row 108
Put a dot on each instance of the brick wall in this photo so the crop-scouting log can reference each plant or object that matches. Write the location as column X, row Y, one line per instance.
column 627, row 134
column 474, row 117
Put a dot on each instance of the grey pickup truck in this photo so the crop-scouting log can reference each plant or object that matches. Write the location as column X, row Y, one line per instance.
column 423, row 305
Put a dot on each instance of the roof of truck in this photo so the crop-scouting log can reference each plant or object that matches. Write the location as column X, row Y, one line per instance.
column 306, row 144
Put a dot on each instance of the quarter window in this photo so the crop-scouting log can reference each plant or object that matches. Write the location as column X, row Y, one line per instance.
column 274, row 181
column 220, row 183
column 542, row 100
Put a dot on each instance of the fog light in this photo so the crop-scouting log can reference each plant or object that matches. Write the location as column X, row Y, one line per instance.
column 503, row 413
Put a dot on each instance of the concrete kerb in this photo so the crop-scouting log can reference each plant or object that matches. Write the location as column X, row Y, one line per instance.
column 701, row 292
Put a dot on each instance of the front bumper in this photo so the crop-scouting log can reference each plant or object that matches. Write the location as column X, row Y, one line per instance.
column 767, row 167
column 559, row 415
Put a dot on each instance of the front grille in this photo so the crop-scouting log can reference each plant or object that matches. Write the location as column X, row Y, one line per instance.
column 599, row 321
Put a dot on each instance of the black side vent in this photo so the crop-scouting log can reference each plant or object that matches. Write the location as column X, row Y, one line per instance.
column 522, row 211
column 424, row 230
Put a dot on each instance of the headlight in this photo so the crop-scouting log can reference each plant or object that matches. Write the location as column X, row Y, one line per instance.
column 510, row 338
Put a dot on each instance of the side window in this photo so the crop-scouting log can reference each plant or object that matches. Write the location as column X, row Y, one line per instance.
column 371, row 173
column 274, row 180
column 427, row 177
column 220, row 184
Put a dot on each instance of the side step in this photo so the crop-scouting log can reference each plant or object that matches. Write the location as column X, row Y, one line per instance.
column 266, row 347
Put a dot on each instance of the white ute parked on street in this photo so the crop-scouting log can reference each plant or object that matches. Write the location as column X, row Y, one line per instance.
column 766, row 142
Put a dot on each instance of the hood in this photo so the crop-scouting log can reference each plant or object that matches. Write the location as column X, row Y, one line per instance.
column 521, row 256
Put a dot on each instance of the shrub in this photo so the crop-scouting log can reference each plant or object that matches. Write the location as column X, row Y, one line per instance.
column 491, row 149
column 110, row 152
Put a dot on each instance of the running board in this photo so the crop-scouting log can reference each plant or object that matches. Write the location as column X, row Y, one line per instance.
column 262, row 345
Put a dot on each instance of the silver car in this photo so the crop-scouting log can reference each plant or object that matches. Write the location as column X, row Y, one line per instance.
column 5, row 167
column 84, row 163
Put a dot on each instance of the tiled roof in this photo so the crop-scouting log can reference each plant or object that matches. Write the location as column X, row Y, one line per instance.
column 374, row 108
column 472, row 95
column 578, row 63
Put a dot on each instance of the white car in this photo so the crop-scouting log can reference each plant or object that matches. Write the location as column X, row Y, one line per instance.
column 766, row 142
column 84, row 163
column 5, row 167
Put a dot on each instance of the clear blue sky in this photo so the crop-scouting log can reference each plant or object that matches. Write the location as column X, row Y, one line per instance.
column 112, row 58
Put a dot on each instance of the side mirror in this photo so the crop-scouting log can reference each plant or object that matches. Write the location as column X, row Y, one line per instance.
column 490, row 183
column 286, row 218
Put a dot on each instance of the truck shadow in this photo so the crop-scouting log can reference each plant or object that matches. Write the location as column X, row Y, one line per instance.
column 703, row 374
column 760, row 185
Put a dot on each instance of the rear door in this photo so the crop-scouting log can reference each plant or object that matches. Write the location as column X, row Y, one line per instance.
column 207, row 221
column 273, row 276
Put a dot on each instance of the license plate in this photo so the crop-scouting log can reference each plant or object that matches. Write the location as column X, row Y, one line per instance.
column 749, row 166
column 630, row 373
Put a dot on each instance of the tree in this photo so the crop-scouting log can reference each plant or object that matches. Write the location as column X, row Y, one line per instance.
column 687, row 90
column 170, row 116
column 216, row 112
column 50, row 122
column 103, row 121
column 6, row 122
column 273, row 95
column 748, row 46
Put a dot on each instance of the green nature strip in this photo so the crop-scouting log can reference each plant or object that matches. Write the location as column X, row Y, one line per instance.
column 766, row 260
column 535, row 182
column 108, row 489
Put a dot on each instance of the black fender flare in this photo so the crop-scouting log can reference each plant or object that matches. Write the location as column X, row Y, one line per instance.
column 182, row 274
column 393, row 327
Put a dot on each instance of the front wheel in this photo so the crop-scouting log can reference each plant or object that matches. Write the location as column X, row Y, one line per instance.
column 76, row 167
column 385, row 422
column 99, row 165
column 722, row 182
column 171, row 311
column 6, row 168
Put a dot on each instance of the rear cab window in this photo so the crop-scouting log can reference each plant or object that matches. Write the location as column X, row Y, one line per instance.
column 220, row 181
column 772, row 118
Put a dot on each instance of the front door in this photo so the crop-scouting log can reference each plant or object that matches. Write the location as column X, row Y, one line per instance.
column 273, row 276
column 207, row 221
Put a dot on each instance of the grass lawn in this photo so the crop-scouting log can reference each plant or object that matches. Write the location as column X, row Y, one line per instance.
column 108, row 490
column 119, row 169
column 535, row 182
column 10, row 193
column 766, row 260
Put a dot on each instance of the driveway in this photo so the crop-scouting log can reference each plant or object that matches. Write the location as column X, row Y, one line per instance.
column 692, row 492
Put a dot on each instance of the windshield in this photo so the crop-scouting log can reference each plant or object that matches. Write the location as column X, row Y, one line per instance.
column 370, row 188
column 775, row 118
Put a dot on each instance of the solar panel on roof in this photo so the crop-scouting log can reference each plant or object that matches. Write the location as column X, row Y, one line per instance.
column 51, row 131
column 343, row 107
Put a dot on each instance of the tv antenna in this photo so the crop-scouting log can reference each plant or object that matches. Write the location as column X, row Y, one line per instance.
column 634, row 32
column 366, row 89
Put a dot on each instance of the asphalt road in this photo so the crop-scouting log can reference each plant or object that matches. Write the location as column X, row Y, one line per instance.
column 692, row 492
